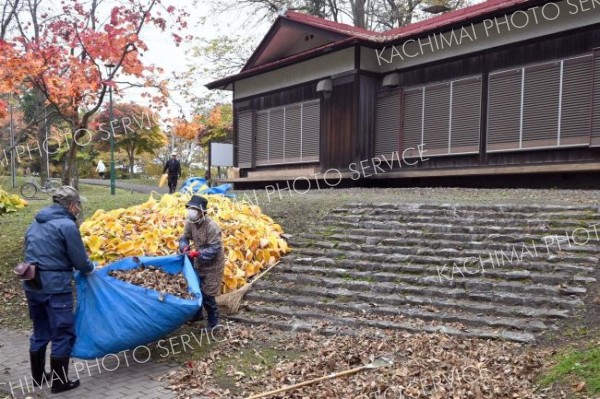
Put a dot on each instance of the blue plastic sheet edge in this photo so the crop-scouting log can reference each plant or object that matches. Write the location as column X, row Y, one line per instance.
column 222, row 189
column 112, row 316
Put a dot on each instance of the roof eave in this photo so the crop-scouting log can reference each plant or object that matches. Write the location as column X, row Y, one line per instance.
column 228, row 80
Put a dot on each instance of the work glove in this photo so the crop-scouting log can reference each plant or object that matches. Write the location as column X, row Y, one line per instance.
column 93, row 270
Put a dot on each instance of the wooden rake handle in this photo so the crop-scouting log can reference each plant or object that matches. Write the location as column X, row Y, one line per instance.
column 309, row 382
column 263, row 273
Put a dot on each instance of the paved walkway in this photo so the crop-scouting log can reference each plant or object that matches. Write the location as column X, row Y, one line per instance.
column 141, row 188
column 126, row 379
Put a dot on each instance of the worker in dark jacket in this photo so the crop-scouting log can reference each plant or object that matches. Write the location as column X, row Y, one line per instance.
column 53, row 243
column 173, row 168
column 210, row 262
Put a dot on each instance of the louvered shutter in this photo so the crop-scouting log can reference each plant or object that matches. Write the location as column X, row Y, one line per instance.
column 262, row 138
column 293, row 134
column 466, row 116
column 596, row 101
column 276, row 135
column 412, row 126
column 541, row 105
column 437, row 119
column 504, row 110
column 576, row 100
column 387, row 125
column 311, row 127
column 244, row 137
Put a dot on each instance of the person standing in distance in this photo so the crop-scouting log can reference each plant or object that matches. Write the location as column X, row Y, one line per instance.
column 101, row 169
column 173, row 168
column 209, row 261
column 54, row 245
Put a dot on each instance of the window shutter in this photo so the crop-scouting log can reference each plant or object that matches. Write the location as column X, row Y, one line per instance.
column 276, row 135
column 262, row 138
column 244, row 137
column 541, row 105
column 387, row 125
column 437, row 119
column 596, row 101
column 576, row 100
column 311, row 127
column 293, row 135
column 466, row 116
column 504, row 112
column 412, row 128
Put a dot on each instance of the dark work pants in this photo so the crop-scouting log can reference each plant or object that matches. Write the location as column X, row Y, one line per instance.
column 53, row 321
column 212, row 310
column 172, row 183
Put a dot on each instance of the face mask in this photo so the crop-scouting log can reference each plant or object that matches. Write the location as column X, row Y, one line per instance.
column 193, row 214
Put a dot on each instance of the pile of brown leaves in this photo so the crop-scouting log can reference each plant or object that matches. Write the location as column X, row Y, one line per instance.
column 432, row 366
column 156, row 279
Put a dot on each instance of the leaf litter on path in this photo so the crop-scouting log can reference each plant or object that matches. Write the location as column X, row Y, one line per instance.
column 432, row 366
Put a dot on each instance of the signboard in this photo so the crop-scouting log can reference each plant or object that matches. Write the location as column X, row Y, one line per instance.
column 221, row 154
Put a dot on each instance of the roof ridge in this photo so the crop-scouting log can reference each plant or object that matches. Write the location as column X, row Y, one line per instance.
column 323, row 22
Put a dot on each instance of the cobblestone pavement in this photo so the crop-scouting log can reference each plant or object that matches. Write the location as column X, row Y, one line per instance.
column 127, row 379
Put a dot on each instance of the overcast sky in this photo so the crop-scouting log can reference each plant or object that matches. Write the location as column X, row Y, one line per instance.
column 203, row 24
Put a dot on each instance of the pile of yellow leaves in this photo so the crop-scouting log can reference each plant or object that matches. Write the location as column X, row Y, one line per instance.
column 10, row 202
column 251, row 239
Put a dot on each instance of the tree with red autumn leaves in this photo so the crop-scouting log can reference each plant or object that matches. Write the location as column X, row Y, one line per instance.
column 62, row 53
column 215, row 124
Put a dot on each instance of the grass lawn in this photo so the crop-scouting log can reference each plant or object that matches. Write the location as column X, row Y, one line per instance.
column 579, row 368
column 13, row 310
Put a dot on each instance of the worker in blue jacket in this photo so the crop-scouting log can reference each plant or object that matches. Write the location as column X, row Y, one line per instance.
column 53, row 243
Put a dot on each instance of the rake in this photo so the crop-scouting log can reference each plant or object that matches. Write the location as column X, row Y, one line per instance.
column 230, row 302
column 375, row 364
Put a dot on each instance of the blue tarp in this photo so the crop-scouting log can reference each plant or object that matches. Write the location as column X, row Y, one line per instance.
column 112, row 315
column 195, row 184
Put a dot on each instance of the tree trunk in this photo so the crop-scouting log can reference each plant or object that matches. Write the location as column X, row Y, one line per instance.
column 44, row 169
column 69, row 176
column 359, row 13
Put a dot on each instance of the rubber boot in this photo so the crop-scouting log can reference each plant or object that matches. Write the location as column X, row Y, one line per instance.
column 38, row 365
column 60, row 375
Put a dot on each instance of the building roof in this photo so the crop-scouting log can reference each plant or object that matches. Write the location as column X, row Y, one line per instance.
column 436, row 24
column 327, row 24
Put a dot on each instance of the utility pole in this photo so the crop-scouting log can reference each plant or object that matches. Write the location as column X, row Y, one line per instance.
column 12, row 145
column 109, row 68
column 47, row 154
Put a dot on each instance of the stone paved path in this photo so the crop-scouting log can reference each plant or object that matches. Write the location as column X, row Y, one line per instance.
column 134, row 381
column 140, row 188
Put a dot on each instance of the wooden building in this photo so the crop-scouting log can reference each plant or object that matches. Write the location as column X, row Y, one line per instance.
column 501, row 87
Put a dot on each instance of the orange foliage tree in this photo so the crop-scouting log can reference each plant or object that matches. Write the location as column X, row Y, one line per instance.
column 215, row 124
column 63, row 56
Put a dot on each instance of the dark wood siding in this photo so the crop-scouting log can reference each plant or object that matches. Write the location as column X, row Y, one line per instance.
column 338, row 126
column 366, row 115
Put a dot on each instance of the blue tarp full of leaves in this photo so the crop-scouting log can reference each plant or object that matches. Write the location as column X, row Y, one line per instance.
column 112, row 315
column 198, row 185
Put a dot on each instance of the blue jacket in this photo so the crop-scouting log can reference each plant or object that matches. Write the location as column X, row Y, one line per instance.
column 54, row 244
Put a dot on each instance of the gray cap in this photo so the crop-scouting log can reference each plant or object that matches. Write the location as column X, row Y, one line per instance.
column 66, row 195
